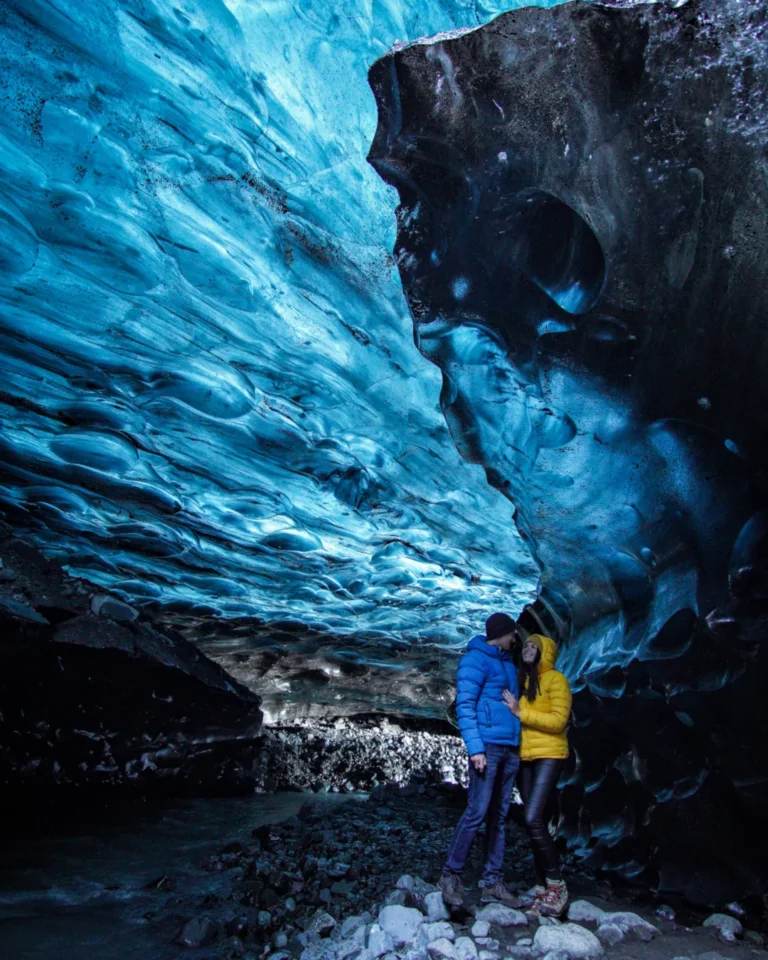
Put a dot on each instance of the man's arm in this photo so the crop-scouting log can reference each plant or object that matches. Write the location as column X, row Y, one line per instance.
column 470, row 678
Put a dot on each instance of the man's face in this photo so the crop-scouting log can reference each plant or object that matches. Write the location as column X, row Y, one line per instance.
column 507, row 641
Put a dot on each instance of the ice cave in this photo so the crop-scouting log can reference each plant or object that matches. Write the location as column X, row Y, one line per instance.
column 328, row 330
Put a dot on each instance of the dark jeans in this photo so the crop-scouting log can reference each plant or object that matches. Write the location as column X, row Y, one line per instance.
column 537, row 784
column 490, row 795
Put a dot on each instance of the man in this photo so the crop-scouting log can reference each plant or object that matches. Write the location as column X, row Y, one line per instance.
column 492, row 737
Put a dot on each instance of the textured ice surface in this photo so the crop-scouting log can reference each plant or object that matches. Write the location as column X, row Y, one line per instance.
column 210, row 396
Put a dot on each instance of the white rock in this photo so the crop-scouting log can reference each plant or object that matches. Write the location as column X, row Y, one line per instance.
column 428, row 932
column 582, row 911
column 405, row 882
column 350, row 925
column 503, row 916
column 401, row 923
column 442, row 949
column 487, row 942
column 481, row 928
column 379, row 941
column 609, row 933
column 549, row 921
column 632, row 923
column 578, row 943
column 556, row 955
column 524, row 942
column 727, row 928
column 465, row 949
column 435, row 906
column 488, row 955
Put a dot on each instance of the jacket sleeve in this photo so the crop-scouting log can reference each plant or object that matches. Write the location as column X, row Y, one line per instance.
column 470, row 678
column 555, row 720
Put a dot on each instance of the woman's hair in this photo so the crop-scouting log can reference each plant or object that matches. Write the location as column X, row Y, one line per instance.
column 529, row 682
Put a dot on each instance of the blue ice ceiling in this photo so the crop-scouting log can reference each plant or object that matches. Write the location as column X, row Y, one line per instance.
column 211, row 401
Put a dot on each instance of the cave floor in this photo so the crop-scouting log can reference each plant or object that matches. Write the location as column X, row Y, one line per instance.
column 124, row 886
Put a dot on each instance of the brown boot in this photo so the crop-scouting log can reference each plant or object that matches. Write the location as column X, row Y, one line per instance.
column 452, row 889
column 554, row 902
column 499, row 892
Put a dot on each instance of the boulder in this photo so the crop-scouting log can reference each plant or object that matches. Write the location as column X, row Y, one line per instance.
column 609, row 934
column 379, row 941
column 465, row 949
column 435, row 907
column 578, row 943
column 582, row 911
column 442, row 949
column 501, row 915
column 401, row 923
column 728, row 929
column 198, row 932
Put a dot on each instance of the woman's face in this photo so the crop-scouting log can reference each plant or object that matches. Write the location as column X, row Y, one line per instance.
column 530, row 652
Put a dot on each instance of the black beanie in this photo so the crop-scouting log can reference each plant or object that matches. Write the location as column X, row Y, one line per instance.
column 498, row 625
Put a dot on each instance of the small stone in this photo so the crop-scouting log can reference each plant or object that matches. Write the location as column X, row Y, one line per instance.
column 578, row 943
column 752, row 936
column 736, row 909
column 465, row 949
column 279, row 955
column 290, row 905
column 488, row 955
column 13, row 610
column 501, row 915
column 582, row 911
column 350, row 925
column 397, row 897
column 338, row 870
column 440, row 930
column 401, row 923
column 488, row 943
column 609, row 934
column 406, row 882
column 481, row 928
column 264, row 918
column 728, row 929
column 525, row 942
column 320, row 924
column 197, row 933
column 665, row 912
column 379, row 941
column 279, row 939
column 556, row 955
column 435, row 907
column 441, row 949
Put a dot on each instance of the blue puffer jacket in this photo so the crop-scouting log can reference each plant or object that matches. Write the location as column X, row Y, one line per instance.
column 484, row 672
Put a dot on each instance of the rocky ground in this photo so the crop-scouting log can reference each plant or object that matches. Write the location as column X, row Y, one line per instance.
column 356, row 882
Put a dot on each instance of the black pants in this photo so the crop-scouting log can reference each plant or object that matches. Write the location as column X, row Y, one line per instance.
column 537, row 788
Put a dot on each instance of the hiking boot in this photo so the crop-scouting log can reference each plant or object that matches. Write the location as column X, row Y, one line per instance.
column 554, row 901
column 452, row 889
column 531, row 896
column 499, row 892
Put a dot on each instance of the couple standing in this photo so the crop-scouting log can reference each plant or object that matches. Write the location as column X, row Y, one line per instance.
column 512, row 717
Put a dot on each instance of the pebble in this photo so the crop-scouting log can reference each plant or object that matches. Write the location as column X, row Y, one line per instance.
column 320, row 924
column 631, row 923
column 578, row 943
column 481, row 928
column 428, row 932
column 379, row 941
column 487, row 942
column 501, row 915
column 105, row 606
column 665, row 912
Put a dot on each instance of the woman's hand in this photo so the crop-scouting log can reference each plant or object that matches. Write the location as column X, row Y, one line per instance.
column 512, row 702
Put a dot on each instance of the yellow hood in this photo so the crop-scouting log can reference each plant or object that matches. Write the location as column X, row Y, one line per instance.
column 548, row 649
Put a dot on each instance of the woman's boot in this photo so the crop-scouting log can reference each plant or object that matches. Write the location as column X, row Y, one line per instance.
column 554, row 901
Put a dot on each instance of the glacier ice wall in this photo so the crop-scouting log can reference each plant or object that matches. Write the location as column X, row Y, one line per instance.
column 210, row 397
column 583, row 242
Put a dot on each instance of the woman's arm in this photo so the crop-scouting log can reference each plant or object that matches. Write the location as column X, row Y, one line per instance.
column 556, row 720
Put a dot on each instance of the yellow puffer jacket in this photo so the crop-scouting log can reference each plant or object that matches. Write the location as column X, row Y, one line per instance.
column 545, row 721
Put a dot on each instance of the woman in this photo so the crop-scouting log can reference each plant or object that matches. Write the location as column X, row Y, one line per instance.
column 544, row 709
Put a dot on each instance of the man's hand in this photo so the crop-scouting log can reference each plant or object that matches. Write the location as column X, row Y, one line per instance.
column 512, row 702
column 478, row 761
